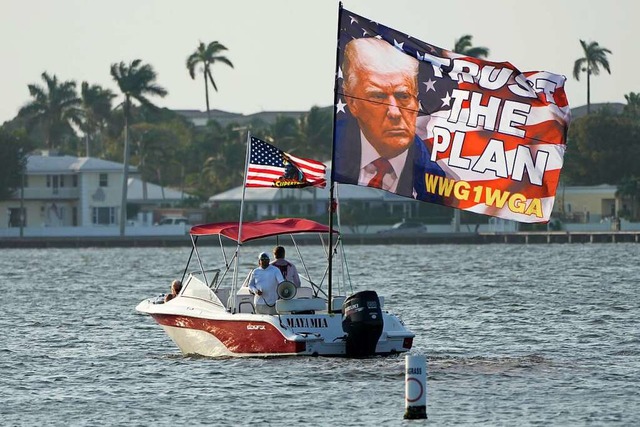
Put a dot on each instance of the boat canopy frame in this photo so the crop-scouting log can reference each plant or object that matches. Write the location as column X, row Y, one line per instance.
column 253, row 230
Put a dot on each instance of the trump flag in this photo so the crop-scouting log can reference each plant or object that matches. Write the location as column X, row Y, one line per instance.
column 270, row 167
column 427, row 123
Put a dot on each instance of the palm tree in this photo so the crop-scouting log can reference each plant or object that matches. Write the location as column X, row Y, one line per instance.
column 594, row 57
column 53, row 108
column 629, row 187
column 13, row 161
column 316, row 127
column 464, row 46
column 95, row 110
column 207, row 56
column 136, row 81
column 633, row 105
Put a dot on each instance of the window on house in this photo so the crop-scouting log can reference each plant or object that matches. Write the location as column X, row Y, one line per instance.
column 55, row 183
column 74, row 216
column 104, row 180
column 14, row 217
column 74, row 180
column 104, row 216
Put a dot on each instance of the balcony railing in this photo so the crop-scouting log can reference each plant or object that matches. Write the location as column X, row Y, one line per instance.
column 54, row 193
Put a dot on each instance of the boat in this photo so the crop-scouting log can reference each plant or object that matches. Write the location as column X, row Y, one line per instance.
column 214, row 316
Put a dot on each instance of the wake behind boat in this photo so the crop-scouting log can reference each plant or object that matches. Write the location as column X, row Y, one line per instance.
column 213, row 316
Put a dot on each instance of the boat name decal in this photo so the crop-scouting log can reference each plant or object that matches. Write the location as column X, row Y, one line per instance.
column 354, row 307
column 307, row 322
column 255, row 327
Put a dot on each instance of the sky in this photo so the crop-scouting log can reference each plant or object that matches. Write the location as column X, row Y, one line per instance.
column 284, row 51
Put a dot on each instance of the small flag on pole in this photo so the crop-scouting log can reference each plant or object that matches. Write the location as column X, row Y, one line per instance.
column 271, row 167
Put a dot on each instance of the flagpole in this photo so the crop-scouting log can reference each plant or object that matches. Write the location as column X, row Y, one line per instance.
column 331, row 197
column 244, row 190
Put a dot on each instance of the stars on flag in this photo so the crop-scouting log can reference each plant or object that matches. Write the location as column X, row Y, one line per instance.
column 446, row 101
column 434, row 62
column 430, row 85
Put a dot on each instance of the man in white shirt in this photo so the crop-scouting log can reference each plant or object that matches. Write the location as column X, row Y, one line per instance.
column 264, row 285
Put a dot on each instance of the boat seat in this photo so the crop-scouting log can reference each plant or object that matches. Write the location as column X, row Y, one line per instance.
column 304, row 292
column 336, row 304
column 243, row 301
column 300, row 305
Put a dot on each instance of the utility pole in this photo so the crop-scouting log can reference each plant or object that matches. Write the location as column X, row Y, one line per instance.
column 456, row 221
column 22, row 216
column 125, row 175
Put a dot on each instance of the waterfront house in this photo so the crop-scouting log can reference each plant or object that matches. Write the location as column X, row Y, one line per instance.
column 84, row 193
column 578, row 207
column 586, row 204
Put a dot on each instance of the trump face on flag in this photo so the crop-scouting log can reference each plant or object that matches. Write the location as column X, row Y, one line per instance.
column 380, row 146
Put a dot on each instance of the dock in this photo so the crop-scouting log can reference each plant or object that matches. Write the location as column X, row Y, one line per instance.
column 517, row 237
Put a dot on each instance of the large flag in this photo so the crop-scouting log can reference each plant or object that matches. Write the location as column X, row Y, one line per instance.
column 423, row 122
column 271, row 167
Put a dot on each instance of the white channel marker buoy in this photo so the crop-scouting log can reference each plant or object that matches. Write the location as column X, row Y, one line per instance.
column 415, row 387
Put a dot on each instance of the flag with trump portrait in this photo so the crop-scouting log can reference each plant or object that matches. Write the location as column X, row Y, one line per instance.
column 269, row 166
column 424, row 122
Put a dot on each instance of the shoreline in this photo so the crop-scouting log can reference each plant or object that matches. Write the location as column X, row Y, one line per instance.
column 538, row 237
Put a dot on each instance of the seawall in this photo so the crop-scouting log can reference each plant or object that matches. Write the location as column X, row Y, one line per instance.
column 350, row 238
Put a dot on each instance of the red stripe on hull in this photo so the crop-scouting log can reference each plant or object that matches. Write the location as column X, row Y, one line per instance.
column 238, row 336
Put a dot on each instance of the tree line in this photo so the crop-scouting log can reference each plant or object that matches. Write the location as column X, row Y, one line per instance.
column 129, row 128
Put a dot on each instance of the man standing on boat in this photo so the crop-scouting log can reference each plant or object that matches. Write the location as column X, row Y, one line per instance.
column 288, row 270
column 264, row 285
column 378, row 146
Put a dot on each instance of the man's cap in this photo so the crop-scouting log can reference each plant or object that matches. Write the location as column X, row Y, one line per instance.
column 263, row 255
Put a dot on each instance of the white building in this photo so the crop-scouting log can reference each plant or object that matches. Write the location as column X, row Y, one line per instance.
column 63, row 192
column 313, row 202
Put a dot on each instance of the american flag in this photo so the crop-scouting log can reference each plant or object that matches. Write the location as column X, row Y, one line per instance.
column 271, row 167
column 498, row 134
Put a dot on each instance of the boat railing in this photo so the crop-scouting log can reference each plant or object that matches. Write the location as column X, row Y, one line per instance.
column 317, row 288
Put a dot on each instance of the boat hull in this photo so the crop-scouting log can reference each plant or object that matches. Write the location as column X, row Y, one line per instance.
column 218, row 333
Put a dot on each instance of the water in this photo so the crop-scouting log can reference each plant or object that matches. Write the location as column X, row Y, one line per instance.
column 514, row 335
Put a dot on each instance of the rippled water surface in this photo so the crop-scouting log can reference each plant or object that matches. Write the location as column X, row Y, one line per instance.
column 514, row 335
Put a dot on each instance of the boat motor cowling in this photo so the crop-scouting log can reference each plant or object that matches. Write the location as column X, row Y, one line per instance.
column 362, row 322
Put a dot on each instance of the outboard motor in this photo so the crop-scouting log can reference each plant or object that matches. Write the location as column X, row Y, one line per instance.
column 362, row 322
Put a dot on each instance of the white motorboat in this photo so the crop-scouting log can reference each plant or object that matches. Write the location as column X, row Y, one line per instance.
column 213, row 316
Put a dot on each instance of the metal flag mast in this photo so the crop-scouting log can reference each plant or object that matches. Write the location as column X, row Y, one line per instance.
column 332, row 200
column 244, row 190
